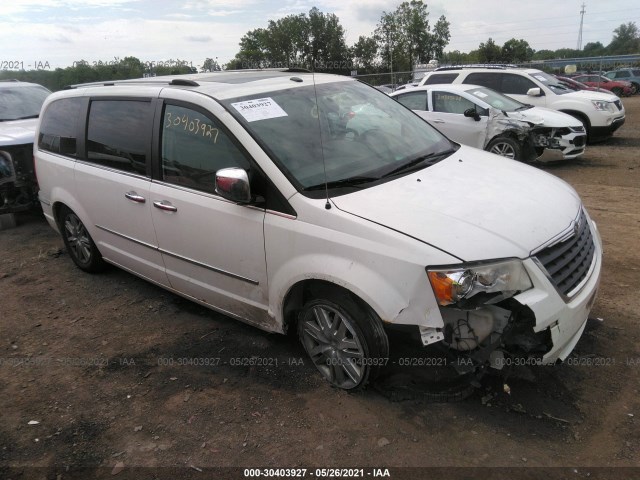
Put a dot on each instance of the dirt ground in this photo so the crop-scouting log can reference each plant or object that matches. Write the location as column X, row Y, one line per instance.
column 119, row 373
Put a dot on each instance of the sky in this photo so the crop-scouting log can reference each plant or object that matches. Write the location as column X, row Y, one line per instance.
column 56, row 33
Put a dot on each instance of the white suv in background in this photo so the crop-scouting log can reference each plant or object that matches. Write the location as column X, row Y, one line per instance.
column 601, row 113
column 289, row 200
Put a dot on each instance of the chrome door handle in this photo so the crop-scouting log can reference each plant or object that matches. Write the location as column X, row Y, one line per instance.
column 134, row 197
column 165, row 205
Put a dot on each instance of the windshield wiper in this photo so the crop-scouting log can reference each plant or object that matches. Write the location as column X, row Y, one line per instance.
column 429, row 159
column 526, row 106
column 345, row 182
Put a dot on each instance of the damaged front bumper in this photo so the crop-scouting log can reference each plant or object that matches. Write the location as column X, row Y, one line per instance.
column 543, row 323
column 559, row 143
column 18, row 185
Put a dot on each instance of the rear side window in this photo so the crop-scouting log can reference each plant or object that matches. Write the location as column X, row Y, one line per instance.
column 636, row 73
column 59, row 126
column 622, row 74
column 441, row 78
column 485, row 79
column 194, row 148
column 118, row 134
column 516, row 84
column 414, row 100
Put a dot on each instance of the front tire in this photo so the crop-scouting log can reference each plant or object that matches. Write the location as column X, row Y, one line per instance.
column 346, row 343
column 505, row 147
column 80, row 245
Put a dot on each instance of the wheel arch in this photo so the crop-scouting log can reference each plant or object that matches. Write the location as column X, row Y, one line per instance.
column 304, row 290
column 580, row 116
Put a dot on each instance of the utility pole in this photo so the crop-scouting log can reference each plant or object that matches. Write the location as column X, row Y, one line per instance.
column 579, row 47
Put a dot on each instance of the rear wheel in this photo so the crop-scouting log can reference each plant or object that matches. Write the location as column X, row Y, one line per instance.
column 79, row 243
column 346, row 343
column 506, row 147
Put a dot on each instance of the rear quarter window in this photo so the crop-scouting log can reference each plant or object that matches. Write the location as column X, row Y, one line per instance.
column 59, row 126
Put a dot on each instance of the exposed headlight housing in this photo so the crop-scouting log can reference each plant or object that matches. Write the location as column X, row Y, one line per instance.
column 487, row 282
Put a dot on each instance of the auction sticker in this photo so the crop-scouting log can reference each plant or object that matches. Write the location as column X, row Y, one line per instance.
column 259, row 109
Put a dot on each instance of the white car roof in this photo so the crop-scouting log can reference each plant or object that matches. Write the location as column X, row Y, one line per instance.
column 221, row 85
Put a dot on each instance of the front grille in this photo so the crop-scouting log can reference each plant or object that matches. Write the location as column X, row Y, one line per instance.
column 618, row 104
column 568, row 262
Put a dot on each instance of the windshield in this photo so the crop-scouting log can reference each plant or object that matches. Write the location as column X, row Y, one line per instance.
column 552, row 82
column 18, row 102
column 497, row 100
column 365, row 134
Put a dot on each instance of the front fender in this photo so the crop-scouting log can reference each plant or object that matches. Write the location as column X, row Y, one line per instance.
column 398, row 291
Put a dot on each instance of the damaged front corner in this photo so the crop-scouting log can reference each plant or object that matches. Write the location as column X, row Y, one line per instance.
column 500, row 122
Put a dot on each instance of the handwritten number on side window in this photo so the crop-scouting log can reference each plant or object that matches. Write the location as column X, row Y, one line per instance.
column 193, row 126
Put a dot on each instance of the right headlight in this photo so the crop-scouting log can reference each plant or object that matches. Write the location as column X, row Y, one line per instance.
column 602, row 105
column 495, row 281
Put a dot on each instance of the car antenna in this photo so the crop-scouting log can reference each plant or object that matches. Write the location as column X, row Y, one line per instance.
column 327, row 205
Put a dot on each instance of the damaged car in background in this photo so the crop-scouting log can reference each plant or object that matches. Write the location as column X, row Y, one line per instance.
column 483, row 118
column 318, row 205
column 20, row 104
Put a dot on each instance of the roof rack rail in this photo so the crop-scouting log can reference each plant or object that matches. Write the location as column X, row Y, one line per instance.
column 497, row 66
column 10, row 80
column 183, row 82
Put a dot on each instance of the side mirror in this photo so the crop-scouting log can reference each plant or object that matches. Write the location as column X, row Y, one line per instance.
column 535, row 92
column 471, row 112
column 233, row 184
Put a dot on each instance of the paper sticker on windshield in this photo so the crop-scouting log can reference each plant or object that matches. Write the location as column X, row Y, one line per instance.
column 480, row 94
column 259, row 109
column 540, row 77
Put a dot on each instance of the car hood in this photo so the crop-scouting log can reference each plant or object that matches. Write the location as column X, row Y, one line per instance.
column 589, row 95
column 474, row 205
column 17, row 132
column 546, row 117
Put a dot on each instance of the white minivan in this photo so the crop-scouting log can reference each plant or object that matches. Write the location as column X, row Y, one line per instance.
column 290, row 200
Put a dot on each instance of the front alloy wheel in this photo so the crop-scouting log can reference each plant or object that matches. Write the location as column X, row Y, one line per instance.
column 505, row 147
column 345, row 343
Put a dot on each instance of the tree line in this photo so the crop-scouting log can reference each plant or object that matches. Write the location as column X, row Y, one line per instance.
column 626, row 40
column 85, row 72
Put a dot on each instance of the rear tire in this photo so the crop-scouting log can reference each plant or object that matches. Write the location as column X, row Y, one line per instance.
column 505, row 147
column 80, row 245
column 346, row 343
